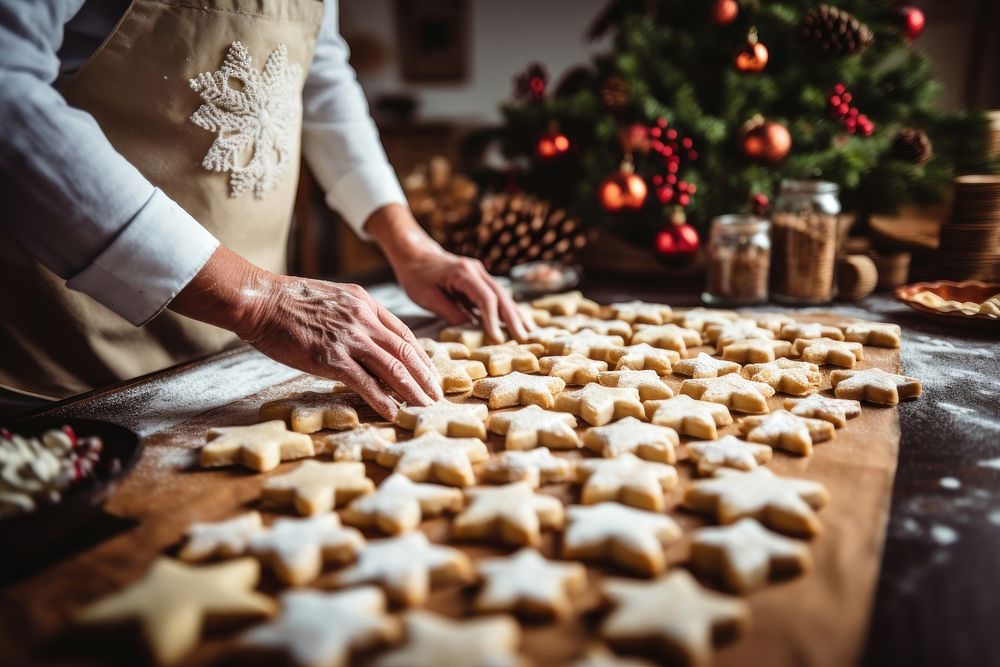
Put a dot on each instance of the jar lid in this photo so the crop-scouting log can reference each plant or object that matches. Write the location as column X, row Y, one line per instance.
column 740, row 224
column 809, row 187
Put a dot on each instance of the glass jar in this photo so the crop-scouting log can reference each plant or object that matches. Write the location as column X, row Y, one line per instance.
column 804, row 238
column 739, row 256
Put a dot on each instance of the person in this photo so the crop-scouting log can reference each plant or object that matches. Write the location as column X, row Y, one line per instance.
column 150, row 153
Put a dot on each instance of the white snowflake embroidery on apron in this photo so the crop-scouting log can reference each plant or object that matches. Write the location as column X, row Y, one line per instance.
column 256, row 118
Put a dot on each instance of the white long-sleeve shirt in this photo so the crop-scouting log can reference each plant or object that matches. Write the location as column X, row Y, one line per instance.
column 90, row 216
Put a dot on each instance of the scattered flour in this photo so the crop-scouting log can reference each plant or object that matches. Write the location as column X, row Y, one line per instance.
column 990, row 463
column 950, row 483
column 943, row 535
column 994, row 517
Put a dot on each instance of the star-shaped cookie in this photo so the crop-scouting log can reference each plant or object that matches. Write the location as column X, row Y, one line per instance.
column 874, row 385
column 727, row 452
column 532, row 426
column 626, row 536
column 786, row 431
column 573, row 368
column 756, row 350
column 315, row 487
column 771, row 321
column 732, row 391
column 540, row 317
column 172, row 602
column 508, row 357
column 704, row 366
column 641, row 312
column 641, row 356
column 834, row 410
column 456, row 375
column 798, row 378
column 457, row 420
column 809, row 330
column 526, row 583
column 597, row 404
column 648, row 383
column 436, row 641
column 699, row 318
column 297, row 548
column 626, row 479
column 666, row 336
column 311, row 411
column 745, row 555
column 543, row 335
column 877, row 334
column 598, row 655
column 513, row 514
column 567, row 303
column 221, row 539
column 534, row 466
column 260, row 447
column 451, row 350
column 574, row 323
column 829, row 351
column 518, row 389
column 469, row 336
column 673, row 616
column 688, row 416
column 399, row 505
column 406, row 567
column 785, row 504
column 364, row 442
column 629, row 435
column 586, row 343
column 722, row 335
column 433, row 457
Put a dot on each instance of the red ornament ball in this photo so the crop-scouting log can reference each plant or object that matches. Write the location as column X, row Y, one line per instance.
column 724, row 11
column 912, row 21
column 752, row 56
column 678, row 239
column 765, row 141
column 623, row 190
column 551, row 145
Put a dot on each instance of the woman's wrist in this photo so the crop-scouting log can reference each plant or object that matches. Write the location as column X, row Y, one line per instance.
column 399, row 236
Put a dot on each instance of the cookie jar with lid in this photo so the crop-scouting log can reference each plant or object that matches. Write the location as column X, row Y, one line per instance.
column 804, row 236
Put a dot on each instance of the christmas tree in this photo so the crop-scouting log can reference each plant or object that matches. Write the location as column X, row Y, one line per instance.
column 704, row 107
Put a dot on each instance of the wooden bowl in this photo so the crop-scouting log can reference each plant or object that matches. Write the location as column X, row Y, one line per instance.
column 969, row 290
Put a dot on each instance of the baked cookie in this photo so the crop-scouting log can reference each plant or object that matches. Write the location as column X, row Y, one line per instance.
column 666, row 336
column 797, row 378
column 573, row 368
column 809, row 331
column 221, row 539
column 451, row 350
column 172, row 601
column 586, row 343
column 727, row 452
column 688, row 416
column 314, row 487
column 457, row 376
column 771, row 321
column 874, row 385
column 699, row 318
column 597, row 404
column 538, row 316
column 744, row 555
column 829, row 351
column 877, row 334
column 311, row 411
column 642, row 356
column 722, row 335
column 626, row 479
column 406, row 567
column 260, row 447
column 567, row 303
column 834, row 410
column 597, row 655
column 704, row 366
column 532, row 426
column 785, row 504
column 756, row 350
column 456, row 420
column 534, row 466
column 436, row 641
column 786, row 431
column 626, row 536
column 508, row 357
column 574, row 323
column 544, row 335
column 631, row 436
column 672, row 616
column 399, row 505
column 296, row 549
column 364, row 442
column 433, row 457
column 648, row 383
column 732, row 391
column 317, row 629
column 641, row 312
column 469, row 336
column 513, row 514
column 526, row 583
column 518, row 389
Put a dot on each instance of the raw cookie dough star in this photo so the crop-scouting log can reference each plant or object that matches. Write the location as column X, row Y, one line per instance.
column 756, row 350
column 513, row 514
column 834, row 410
column 731, row 390
column 221, row 539
column 586, row 343
column 877, row 334
column 574, row 323
column 641, row 312
column 470, row 337
column 666, row 337
column 534, row 466
column 567, row 303
column 727, row 452
column 672, row 615
column 518, row 389
column 364, row 442
column 406, row 567
column 648, row 383
column 829, row 351
column 745, row 555
column 786, row 431
column 626, row 536
column 642, row 356
column 631, row 436
column 433, row 457
column 399, row 505
column 324, row 629
column 785, row 504
column 297, row 548
column 310, row 411
column 509, row 357
column 260, row 447
column 688, row 416
column 314, row 487
column 809, row 331
column 532, row 426
column 172, row 601
column 457, row 420
column 797, row 378
column 722, row 335
column 573, row 369
column 704, row 366
column 874, row 385
column 626, row 479
column 597, row 404
column 525, row 582
column 436, row 641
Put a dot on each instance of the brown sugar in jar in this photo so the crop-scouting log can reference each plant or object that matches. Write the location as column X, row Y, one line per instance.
column 804, row 242
column 739, row 256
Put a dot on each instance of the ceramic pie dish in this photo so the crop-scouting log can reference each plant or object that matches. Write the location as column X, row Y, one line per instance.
column 969, row 291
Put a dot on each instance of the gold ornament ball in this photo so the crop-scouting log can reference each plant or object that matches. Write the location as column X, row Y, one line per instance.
column 766, row 141
column 751, row 58
column 724, row 11
column 623, row 190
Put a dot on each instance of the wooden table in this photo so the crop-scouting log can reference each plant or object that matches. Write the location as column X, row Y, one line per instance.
column 937, row 599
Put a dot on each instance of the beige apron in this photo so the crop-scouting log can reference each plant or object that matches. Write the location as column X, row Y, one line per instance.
column 55, row 342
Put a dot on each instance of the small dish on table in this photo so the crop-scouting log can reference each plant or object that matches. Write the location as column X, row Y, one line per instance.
column 971, row 303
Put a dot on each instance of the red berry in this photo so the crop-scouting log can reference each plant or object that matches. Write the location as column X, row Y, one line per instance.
column 665, row 194
column 671, row 134
column 862, row 118
column 692, row 155
column 687, row 143
column 682, row 186
column 847, row 97
column 839, row 89
column 672, row 167
column 662, row 122
column 655, row 131
column 657, row 180
column 851, row 130
column 671, row 179
column 684, row 200
column 868, row 131
column 853, row 113
column 835, row 100
column 667, row 150
column 692, row 188
column 843, row 109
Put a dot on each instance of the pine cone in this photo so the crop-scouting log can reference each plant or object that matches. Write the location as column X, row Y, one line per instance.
column 913, row 145
column 614, row 93
column 514, row 229
column 834, row 31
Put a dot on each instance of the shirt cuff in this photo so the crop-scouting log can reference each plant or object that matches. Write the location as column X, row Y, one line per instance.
column 154, row 257
column 362, row 192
